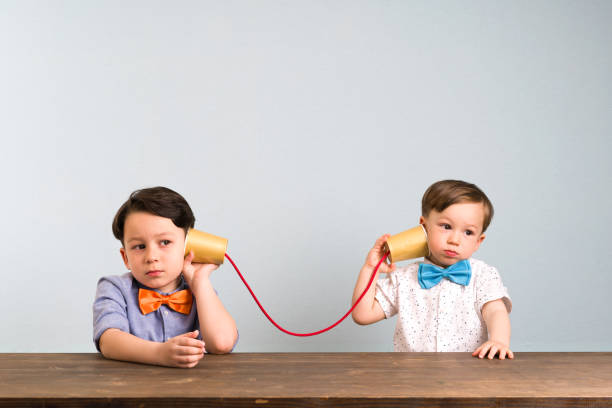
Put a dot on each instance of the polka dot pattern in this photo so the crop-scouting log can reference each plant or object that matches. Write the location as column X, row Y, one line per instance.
column 446, row 317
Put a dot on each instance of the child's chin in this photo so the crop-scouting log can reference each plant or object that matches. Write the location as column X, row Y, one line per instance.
column 446, row 261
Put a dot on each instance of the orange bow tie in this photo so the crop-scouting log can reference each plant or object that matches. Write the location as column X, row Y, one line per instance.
column 150, row 301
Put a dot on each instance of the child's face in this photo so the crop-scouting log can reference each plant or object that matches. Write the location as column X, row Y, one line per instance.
column 455, row 233
column 153, row 250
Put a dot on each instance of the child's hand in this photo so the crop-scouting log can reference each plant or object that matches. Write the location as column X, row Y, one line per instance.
column 493, row 348
column 195, row 271
column 376, row 253
column 184, row 351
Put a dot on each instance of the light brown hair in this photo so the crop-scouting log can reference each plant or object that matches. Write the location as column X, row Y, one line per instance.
column 442, row 194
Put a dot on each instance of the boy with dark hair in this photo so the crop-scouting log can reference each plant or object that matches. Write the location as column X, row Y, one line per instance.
column 154, row 313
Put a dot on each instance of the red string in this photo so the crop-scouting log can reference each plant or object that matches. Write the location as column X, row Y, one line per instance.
column 313, row 333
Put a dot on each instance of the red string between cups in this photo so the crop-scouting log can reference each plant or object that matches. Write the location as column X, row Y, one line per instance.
column 313, row 333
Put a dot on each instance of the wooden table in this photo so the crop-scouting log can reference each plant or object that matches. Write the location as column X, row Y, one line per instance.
column 310, row 379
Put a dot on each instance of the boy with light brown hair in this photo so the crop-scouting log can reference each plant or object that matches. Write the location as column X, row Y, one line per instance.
column 449, row 301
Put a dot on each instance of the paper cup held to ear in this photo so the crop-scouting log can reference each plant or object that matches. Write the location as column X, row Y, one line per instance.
column 207, row 248
column 409, row 244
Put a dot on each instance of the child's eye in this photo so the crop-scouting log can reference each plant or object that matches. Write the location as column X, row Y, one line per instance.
column 468, row 232
column 446, row 226
column 139, row 246
column 165, row 242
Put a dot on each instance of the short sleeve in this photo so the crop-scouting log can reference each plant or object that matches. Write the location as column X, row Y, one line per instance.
column 109, row 310
column 489, row 287
column 386, row 295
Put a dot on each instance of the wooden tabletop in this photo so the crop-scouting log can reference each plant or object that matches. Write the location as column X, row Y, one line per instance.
column 310, row 379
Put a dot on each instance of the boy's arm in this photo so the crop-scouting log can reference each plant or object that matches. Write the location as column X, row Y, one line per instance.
column 497, row 320
column 216, row 324
column 180, row 351
column 368, row 310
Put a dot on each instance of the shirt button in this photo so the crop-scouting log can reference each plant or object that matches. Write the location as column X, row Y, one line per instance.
column 165, row 313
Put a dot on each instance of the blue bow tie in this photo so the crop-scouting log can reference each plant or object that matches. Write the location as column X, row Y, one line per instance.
column 431, row 275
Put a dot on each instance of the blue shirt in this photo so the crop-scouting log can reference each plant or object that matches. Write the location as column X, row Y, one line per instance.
column 116, row 306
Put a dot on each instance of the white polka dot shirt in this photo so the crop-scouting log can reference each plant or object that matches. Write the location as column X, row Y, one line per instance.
column 446, row 317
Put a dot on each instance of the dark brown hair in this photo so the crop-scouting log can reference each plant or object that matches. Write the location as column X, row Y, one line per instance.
column 442, row 194
column 159, row 201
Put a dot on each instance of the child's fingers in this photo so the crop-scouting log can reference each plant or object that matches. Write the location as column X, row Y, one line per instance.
column 493, row 352
column 189, row 350
column 380, row 241
column 484, row 350
column 188, row 360
column 188, row 267
column 191, row 334
column 188, row 339
column 376, row 253
column 190, row 365
column 189, row 257
column 510, row 354
column 386, row 268
column 189, row 342
column 208, row 268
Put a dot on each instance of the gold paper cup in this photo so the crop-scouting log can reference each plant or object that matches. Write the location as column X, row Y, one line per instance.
column 409, row 244
column 207, row 248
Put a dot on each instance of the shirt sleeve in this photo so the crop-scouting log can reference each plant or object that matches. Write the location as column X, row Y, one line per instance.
column 490, row 287
column 386, row 295
column 109, row 310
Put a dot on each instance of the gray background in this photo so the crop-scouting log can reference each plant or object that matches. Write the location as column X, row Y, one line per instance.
column 302, row 131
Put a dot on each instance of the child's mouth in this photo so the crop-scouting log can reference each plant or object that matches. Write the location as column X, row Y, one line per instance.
column 154, row 273
column 450, row 253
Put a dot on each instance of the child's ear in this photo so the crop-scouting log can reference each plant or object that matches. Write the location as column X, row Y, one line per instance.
column 125, row 258
column 422, row 221
column 480, row 239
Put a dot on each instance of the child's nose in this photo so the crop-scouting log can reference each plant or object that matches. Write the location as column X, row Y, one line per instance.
column 151, row 254
column 453, row 237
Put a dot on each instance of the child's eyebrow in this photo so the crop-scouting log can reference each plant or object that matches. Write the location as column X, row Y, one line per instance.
column 161, row 234
column 476, row 228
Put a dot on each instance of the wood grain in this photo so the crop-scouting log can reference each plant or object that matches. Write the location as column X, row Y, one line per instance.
column 310, row 379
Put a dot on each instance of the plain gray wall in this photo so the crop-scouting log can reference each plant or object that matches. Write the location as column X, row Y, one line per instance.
column 302, row 131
